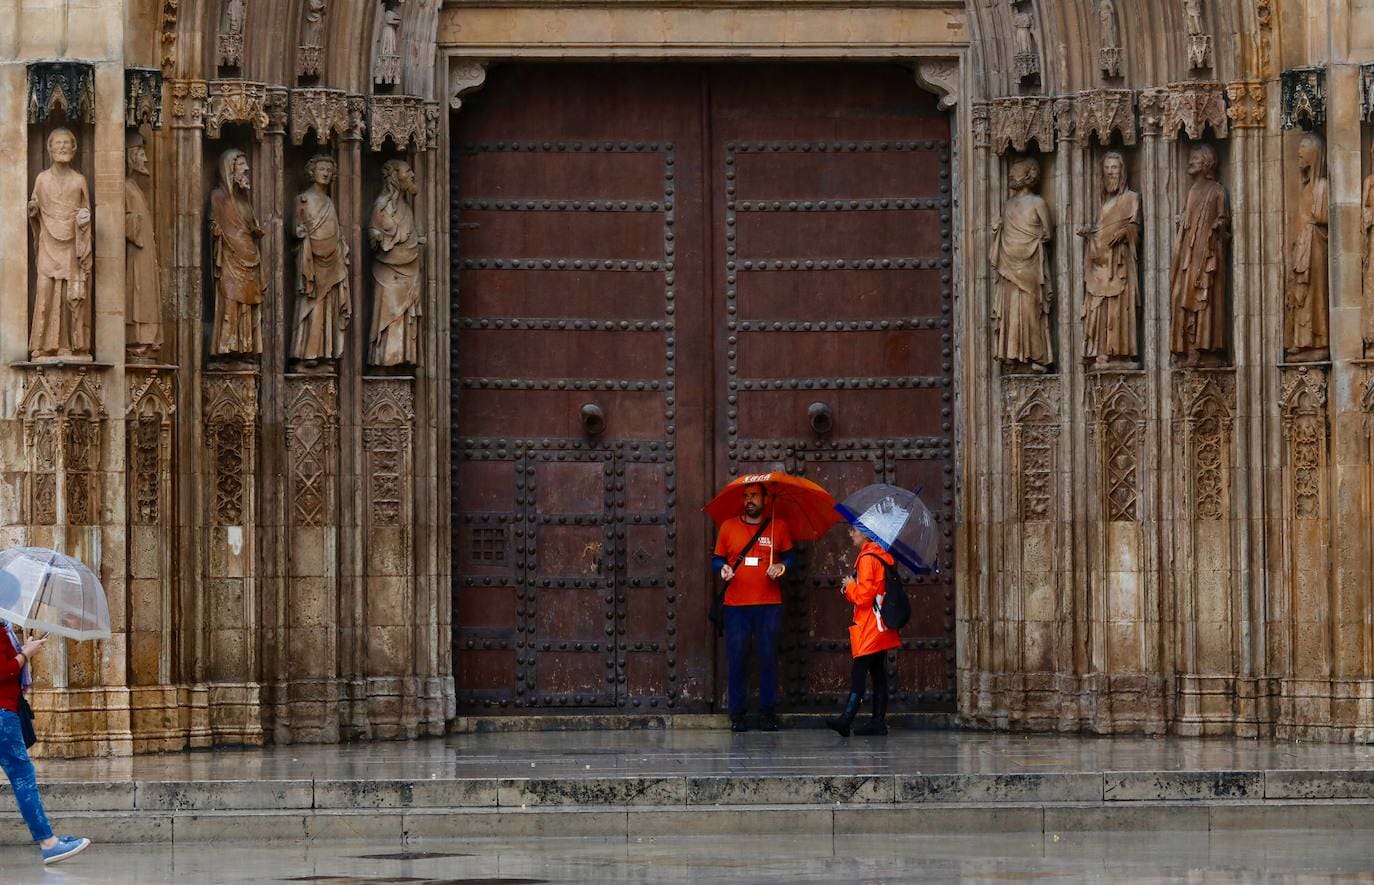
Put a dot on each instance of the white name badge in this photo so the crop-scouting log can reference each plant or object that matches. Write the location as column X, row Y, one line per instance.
column 751, row 560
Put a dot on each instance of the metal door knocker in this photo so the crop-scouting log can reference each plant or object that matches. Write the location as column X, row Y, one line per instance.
column 822, row 420
column 593, row 420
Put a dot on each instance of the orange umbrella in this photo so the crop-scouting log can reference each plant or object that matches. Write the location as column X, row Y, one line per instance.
column 807, row 508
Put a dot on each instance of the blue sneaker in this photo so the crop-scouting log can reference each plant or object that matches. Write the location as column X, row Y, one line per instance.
column 67, row 846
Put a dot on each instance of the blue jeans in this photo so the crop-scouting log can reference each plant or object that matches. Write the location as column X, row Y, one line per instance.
column 756, row 625
column 14, row 759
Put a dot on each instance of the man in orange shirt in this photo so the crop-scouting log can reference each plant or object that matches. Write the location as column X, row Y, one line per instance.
column 752, row 553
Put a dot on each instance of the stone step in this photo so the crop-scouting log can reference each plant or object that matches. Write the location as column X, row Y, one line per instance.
column 565, row 804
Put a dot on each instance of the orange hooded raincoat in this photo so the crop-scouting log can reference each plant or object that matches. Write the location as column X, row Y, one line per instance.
column 868, row 634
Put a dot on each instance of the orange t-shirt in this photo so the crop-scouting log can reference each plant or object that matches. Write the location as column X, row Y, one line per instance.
column 751, row 585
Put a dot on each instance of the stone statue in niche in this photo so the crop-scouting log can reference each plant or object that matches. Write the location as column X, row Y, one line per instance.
column 1192, row 17
column 1306, row 326
column 391, row 31
column 1027, row 59
column 312, row 29
column 1367, row 262
column 240, row 287
column 1197, row 279
column 229, row 42
column 323, row 302
column 1111, row 270
column 1199, row 42
column 142, row 292
column 1020, row 255
column 60, row 219
column 395, row 336
column 1110, row 26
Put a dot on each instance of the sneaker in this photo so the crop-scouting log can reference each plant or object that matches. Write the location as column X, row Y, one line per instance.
column 738, row 724
column 67, row 846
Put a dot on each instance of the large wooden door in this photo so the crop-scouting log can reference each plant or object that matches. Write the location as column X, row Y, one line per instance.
column 658, row 271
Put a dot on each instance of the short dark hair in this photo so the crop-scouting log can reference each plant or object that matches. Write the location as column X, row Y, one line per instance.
column 763, row 489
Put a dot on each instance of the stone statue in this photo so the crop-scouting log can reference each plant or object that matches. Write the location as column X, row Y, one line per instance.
column 233, row 17
column 1192, row 14
column 60, row 219
column 395, row 332
column 1111, row 28
column 240, row 287
column 1306, row 332
column 1020, row 255
column 142, row 292
column 1197, row 279
column 391, row 28
column 323, row 302
column 312, row 29
column 1111, row 270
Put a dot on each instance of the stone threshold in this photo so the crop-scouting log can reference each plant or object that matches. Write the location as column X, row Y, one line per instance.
column 540, row 722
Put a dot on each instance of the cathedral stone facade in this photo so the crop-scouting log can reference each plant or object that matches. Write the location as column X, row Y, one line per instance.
column 379, row 355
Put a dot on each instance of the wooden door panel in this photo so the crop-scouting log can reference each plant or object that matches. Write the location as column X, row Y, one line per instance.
column 803, row 168
column 511, row 176
column 559, row 295
column 837, row 298
column 787, row 234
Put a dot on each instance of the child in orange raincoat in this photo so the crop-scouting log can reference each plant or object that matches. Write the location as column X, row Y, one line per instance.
column 869, row 637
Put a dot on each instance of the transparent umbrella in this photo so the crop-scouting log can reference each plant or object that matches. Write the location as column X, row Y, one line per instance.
column 898, row 520
column 42, row 589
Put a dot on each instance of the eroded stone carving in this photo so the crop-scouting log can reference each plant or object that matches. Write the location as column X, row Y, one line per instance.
column 980, row 119
column 1016, row 122
column 60, row 219
column 1197, row 278
column 1367, row 263
column 311, row 419
column 63, row 417
column 323, row 110
column 1303, row 410
column 142, row 98
column 1192, row 107
column 235, row 101
column 1247, row 104
column 1205, row 402
column 1110, row 269
column 464, row 76
column 1306, row 320
column 1101, row 112
column 1027, row 57
column 142, row 287
column 168, row 35
column 324, row 303
column 1367, row 92
column 401, row 118
column 311, row 48
column 1032, row 426
column 188, row 103
column 230, row 433
column 396, row 270
column 1199, row 41
column 240, row 286
column 1302, row 97
column 1109, row 26
column 386, row 69
column 1023, row 291
column 1264, row 17
column 1153, row 102
column 1118, row 410
column 940, row 76
column 229, row 41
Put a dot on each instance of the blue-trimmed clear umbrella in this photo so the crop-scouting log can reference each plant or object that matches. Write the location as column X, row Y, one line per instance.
column 42, row 589
column 898, row 520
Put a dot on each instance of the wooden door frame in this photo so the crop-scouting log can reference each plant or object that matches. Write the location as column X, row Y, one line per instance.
column 941, row 68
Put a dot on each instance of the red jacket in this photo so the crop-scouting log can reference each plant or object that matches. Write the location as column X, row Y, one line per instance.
column 9, row 673
column 868, row 634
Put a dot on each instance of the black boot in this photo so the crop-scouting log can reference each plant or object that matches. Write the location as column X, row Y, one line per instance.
column 768, row 721
column 738, row 723
column 878, row 724
column 846, row 719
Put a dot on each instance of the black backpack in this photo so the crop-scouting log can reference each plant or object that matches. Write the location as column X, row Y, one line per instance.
column 896, row 608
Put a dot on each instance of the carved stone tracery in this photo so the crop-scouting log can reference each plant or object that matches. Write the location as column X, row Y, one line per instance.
column 188, row 103
column 1193, row 106
column 64, row 417
column 142, row 98
column 323, row 110
column 1031, row 427
column 1118, row 411
column 1017, row 121
column 230, row 420
column 311, row 423
column 1101, row 112
column 402, row 118
column 235, row 101
column 388, row 425
column 1303, row 412
column 1204, row 403
column 66, row 86
column 1302, row 97
column 1248, row 108
column 149, row 419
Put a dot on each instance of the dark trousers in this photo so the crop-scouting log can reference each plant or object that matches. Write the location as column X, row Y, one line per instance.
column 874, row 664
column 757, row 626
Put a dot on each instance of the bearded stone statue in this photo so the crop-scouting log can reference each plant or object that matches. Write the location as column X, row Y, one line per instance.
column 1306, row 316
column 1111, row 270
column 60, row 218
column 1197, row 279
column 396, row 275
column 240, row 288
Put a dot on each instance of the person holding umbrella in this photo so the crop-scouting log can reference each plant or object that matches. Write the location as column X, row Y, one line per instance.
column 760, row 517
column 45, row 590
column 886, row 524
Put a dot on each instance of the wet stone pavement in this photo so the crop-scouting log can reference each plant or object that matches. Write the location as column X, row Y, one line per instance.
column 1306, row 857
